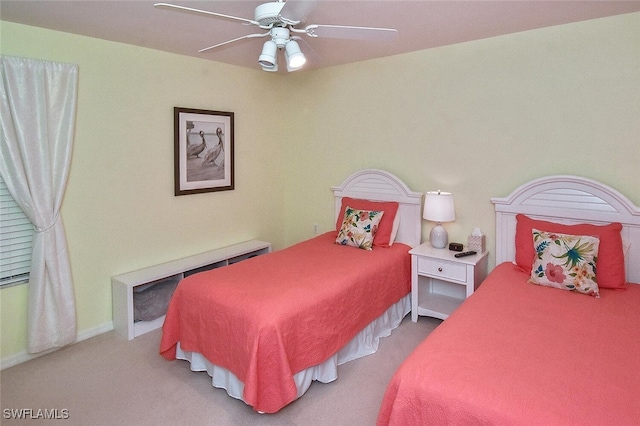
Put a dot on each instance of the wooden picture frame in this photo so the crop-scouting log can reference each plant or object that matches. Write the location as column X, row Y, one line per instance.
column 203, row 150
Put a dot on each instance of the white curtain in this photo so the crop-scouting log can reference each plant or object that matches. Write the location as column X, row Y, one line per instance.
column 38, row 118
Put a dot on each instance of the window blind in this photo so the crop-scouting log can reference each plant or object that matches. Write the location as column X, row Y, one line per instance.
column 16, row 237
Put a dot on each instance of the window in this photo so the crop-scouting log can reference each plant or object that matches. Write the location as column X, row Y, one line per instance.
column 16, row 237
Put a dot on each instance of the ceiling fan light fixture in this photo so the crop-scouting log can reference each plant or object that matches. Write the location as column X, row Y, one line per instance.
column 270, row 69
column 268, row 56
column 294, row 56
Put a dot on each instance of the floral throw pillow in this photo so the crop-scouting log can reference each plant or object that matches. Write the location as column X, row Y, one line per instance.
column 359, row 228
column 565, row 261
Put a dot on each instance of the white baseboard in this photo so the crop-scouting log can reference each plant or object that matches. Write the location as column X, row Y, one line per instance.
column 24, row 356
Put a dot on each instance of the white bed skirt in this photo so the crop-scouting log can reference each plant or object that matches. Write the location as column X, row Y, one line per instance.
column 365, row 343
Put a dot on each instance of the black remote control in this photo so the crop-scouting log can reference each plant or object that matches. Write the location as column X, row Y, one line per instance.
column 465, row 253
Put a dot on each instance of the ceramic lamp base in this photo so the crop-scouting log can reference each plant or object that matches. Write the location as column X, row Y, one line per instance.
column 438, row 237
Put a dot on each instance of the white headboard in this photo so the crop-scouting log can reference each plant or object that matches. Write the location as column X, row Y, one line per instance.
column 378, row 185
column 568, row 199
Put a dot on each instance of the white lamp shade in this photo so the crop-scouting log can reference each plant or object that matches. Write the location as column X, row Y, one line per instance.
column 438, row 207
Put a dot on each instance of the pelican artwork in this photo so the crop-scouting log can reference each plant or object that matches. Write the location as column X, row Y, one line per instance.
column 214, row 152
column 195, row 150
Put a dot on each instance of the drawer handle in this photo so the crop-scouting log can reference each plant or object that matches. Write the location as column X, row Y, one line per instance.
column 440, row 269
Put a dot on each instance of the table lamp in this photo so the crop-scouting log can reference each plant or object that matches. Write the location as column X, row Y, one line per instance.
column 438, row 207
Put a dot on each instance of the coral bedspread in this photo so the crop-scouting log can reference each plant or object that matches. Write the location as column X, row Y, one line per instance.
column 269, row 317
column 520, row 354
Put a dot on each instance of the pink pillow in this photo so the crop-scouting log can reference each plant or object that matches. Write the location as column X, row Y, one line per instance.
column 385, row 228
column 610, row 266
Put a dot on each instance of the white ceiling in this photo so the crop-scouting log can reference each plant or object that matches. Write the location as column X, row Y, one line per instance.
column 420, row 24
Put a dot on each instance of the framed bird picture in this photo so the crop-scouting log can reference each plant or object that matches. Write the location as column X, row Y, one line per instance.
column 203, row 150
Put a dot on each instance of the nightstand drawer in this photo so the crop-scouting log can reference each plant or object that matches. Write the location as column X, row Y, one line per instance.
column 438, row 268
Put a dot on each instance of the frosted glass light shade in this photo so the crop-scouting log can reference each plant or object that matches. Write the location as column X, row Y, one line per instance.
column 295, row 57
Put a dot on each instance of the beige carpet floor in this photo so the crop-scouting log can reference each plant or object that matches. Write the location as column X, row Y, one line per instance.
column 108, row 380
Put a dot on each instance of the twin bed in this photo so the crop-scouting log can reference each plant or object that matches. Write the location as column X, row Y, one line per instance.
column 513, row 353
column 265, row 328
column 518, row 353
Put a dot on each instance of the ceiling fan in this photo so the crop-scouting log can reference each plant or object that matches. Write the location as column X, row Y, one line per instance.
column 280, row 20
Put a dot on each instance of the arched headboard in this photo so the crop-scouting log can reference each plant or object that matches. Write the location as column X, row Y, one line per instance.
column 379, row 185
column 569, row 199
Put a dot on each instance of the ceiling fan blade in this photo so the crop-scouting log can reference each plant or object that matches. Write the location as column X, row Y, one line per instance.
column 354, row 33
column 231, row 41
column 169, row 6
column 297, row 10
column 311, row 55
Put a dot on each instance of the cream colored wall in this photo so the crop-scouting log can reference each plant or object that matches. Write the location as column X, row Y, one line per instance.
column 119, row 210
column 477, row 119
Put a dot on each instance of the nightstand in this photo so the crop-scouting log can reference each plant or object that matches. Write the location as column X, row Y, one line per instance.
column 440, row 282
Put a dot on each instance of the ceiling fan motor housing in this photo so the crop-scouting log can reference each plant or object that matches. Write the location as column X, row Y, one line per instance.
column 269, row 13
